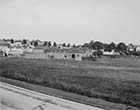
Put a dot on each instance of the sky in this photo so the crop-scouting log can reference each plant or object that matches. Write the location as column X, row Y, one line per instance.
column 71, row 21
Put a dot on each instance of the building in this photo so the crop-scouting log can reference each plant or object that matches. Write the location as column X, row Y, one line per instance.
column 41, row 52
column 4, row 46
column 15, row 51
column 137, row 48
column 67, row 54
column 111, row 54
column 18, row 43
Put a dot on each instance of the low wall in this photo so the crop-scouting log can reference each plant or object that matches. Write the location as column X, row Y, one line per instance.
column 35, row 56
column 50, row 56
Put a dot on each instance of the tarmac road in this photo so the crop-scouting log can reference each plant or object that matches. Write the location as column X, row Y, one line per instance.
column 17, row 98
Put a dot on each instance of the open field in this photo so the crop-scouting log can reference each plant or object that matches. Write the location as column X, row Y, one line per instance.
column 115, row 80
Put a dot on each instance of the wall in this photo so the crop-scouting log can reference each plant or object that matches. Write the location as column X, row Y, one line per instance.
column 35, row 56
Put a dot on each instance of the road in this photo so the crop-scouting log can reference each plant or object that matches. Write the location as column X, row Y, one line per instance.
column 17, row 98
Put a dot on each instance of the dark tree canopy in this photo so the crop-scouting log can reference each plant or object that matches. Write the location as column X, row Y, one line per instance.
column 55, row 44
column 106, row 47
column 112, row 46
column 85, row 45
column 35, row 43
column 97, row 45
column 49, row 43
column 64, row 45
column 12, row 41
column 122, row 46
column 68, row 45
column 94, row 45
column 73, row 45
column 45, row 43
column 24, row 41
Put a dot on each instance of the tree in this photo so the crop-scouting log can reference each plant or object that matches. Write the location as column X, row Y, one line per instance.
column 24, row 41
column 32, row 42
column 99, row 53
column 122, row 47
column 94, row 45
column 35, row 43
column 74, row 45
column 97, row 45
column 112, row 46
column 68, row 45
column 45, row 43
column 55, row 44
column 131, row 45
column 64, row 45
column 86, row 45
column 106, row 47
column 90, row 45
column 49, row 43
column 12, row 41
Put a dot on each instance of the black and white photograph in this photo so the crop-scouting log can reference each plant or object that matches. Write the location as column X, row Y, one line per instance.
column 69, row 54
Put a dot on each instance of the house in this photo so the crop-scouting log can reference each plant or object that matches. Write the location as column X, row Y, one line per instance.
column 111, row 54
column 67, row 54
column 55, row 53
column 130, row 47
column 38, row 50
column 74, row 54
column 25, row 42
column 18, row 43
column 137, row 48
column 7, row 40
column 28, row 49
column 42, row 52
column 34, row 53
column 15, row 51
column 4, row 46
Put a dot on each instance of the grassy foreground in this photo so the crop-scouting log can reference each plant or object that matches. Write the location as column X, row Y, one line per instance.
column 114, row 80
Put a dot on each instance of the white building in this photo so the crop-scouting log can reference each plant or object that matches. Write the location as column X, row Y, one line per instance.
column 137, row 48
column 4, row 46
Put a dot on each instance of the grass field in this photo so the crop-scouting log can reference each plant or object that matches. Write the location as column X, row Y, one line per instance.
column 116, row 80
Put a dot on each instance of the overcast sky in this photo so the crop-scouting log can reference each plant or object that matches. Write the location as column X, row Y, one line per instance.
column 74, row 21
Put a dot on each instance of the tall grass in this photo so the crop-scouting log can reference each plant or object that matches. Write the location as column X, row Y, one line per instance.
column 91, row 82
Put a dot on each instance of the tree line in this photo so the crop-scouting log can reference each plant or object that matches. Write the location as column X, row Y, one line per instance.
column 95, row 45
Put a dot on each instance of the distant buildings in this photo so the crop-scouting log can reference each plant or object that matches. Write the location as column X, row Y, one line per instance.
column 47, row 50
column 133, row 48
column 17, row 43
column 137, row 48
column 57, row 53
column 4, row 46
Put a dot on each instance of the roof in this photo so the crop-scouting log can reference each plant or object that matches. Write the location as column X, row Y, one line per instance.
column 75, row 50
column 55, row 49
column 18, row 41
column 7, row 40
